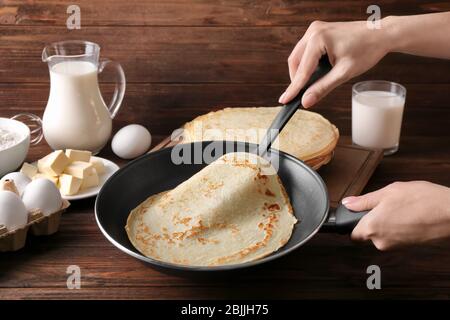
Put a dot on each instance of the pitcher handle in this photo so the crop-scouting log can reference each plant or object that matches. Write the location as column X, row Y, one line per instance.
column 119, row 91
column 33, row 122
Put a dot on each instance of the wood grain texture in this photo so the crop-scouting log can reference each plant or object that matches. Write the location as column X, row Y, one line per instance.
column 184, row 58
column 204, row 12
column 192, row 55
column 165, row 107
column 329, row 266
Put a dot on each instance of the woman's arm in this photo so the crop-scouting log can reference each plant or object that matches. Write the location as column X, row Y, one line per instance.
column 353, row 49
column 402, row 213
column 423, row 35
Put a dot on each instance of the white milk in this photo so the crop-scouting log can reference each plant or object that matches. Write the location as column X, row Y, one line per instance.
column 76, row 116
column 377, row 119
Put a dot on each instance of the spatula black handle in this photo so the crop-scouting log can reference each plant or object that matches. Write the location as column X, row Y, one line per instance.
column 289, row 109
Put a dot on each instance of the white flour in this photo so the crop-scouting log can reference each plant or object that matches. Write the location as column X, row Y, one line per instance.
column 8, row 139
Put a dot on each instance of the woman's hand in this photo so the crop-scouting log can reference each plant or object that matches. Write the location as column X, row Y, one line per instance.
column 352, row 48
column 403, row 213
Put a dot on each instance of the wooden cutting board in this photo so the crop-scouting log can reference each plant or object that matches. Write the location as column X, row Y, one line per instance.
column 345, row 175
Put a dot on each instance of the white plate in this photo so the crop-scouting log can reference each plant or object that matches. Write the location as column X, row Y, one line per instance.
column 110, row 168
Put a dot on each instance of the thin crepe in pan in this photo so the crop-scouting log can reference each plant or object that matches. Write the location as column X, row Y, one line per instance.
column 233, row 211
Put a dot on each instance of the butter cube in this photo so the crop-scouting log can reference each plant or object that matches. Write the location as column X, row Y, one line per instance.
column 29, row 170
column 90, row 181
column 79, row 169
column 54, row 163
column 69, row 185
column 98, row 165
column 78, row 155
column 53, row 179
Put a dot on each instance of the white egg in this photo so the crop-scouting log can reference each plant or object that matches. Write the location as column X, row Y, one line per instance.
column 42, row 194
column 131, row 141
column 20, row 179
column 13, row 214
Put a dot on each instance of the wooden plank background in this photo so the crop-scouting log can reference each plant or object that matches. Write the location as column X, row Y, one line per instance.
column 183, row 58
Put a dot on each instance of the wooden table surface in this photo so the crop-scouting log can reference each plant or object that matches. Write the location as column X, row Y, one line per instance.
column 182, row 59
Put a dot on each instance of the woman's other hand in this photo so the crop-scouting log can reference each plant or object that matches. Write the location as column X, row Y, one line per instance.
column 403, row 213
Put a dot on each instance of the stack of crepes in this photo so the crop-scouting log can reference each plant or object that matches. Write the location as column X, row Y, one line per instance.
column 233, row 211
column 307, row 136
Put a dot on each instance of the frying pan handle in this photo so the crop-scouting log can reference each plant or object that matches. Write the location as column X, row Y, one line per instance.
column 343, row 220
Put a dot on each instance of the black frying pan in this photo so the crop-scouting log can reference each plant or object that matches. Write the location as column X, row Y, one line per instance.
column 156, row 172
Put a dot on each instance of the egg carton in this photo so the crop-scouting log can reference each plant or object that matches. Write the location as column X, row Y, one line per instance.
column 38, row 225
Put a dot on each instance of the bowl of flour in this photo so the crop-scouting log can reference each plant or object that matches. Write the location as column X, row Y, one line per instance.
column 8, row 139
column 14, row 144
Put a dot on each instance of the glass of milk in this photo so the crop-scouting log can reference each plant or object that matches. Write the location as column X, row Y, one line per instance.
column 377, row 112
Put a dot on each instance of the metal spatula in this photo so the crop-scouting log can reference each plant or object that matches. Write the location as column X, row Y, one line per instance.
column 289, row 109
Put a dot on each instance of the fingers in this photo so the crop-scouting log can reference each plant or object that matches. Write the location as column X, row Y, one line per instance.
column 308, row 64
column 363, row 230
column 365, row 202
column 296, row 56
column 297, row 53
column 368, row 229
column 323, row 86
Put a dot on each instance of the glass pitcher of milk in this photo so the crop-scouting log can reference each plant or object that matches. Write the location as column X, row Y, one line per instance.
column 76, row 115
